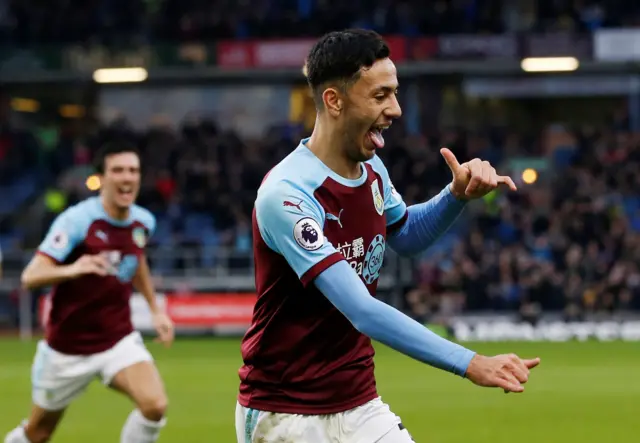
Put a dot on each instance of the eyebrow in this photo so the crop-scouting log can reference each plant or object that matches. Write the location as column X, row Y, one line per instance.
column 387, row 89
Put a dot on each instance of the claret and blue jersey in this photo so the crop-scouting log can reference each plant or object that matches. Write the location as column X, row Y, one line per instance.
column 301, row 354
column 319, row 217
column 91, row 313
column 319, row 242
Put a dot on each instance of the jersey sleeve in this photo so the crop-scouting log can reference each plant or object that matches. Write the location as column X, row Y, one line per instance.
column 291, row 223
column 66, row 232
column 147, row 218
column 151, row 224
column 394, row 206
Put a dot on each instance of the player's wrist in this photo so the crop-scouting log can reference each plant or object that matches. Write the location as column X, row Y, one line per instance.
column 464, row 362
column 476, row 368
column 457, row 195
column 68, row 271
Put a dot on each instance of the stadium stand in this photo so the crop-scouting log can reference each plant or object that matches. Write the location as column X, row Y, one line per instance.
column 129, row 21
column 570, row 243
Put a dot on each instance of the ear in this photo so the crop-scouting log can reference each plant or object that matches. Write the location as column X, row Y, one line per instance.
column 333, row 101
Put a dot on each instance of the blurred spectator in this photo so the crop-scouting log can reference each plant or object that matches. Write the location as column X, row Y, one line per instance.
column 130, row 22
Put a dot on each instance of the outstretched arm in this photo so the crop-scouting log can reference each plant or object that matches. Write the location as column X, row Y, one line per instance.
column 385, row 324
column 344, row 289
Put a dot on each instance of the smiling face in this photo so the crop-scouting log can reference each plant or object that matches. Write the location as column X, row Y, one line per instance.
column 370, row 106
column 121, row 179
column 363, row 108
column 354, row 84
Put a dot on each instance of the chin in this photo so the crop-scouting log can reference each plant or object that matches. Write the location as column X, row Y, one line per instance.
column 368, row 154
column 362, row 155
column 124, row 205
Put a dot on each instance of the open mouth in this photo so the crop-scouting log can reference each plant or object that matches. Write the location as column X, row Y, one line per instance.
column 125, row 191
column 375, row 134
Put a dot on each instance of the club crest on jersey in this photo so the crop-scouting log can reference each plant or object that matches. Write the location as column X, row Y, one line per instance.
column 308, row 234
column 378, row 201
column 139, row 237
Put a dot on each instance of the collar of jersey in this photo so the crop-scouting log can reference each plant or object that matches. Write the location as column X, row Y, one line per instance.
column 113, row 221
column 352, row 183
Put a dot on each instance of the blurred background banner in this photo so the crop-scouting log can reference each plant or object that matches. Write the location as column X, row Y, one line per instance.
column 475, row 46
column 617, row 45
column 194, row 313
column 557, row 44
column 289, row 53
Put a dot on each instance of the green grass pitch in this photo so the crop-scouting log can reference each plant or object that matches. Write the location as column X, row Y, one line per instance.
column 582, row 393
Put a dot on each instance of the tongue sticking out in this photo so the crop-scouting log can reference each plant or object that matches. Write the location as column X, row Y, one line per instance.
column 376, row 138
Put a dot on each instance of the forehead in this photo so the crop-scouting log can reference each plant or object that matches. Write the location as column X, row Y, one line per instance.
column 122, row 160
column 382, row 74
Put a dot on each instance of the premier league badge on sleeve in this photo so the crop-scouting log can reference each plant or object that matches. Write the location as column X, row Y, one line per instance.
column 60, row 240
column 308, row 234
column 139, row 237
column 378, row 201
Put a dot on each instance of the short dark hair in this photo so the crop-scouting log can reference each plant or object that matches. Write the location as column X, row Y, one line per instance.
column 112, row 148
column 338, row 57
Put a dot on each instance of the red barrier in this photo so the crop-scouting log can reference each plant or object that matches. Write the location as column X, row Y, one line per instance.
column 189, row 311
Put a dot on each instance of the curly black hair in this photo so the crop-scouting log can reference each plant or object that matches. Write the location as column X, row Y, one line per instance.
column 338, row 57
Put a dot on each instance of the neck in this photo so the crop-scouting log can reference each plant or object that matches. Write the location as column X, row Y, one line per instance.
column 329, row 146
column 113, row 211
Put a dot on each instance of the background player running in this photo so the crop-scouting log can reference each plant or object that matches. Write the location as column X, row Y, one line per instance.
column 322, row 220
column 92, row 256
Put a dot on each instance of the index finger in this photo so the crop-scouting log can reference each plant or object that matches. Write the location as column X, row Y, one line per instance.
column 506, row 180
column 532, row 362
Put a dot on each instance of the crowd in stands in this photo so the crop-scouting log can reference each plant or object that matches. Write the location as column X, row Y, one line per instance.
column 570, row 242
column 139, row 21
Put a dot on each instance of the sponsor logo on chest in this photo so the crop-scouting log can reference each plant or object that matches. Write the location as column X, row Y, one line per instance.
column 366, row 263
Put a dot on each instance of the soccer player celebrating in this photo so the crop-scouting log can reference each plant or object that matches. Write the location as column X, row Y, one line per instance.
column 322, row 221
column 92, row 256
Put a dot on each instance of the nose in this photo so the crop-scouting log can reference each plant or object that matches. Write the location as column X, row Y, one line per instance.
column 128, row 176
column 393, row 111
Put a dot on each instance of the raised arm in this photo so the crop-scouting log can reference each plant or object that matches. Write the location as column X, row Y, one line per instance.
column 424, row 223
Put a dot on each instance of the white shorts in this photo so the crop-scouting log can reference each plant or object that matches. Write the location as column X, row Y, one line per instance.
column 57, row 379
column 372, row 422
